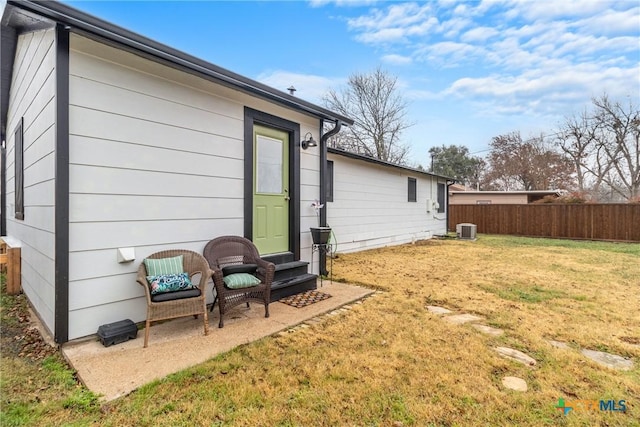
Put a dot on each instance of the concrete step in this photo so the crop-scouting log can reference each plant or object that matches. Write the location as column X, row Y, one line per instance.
column 291, row 269
column 293, row 285
column 280, row 258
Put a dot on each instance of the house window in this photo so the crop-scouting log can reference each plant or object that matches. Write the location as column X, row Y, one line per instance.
column 329, row 181
column 441, row 201
column 483, row 202
column 412, row 193
column 19, row 169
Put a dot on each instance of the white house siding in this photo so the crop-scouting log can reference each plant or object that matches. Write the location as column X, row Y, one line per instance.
column 32, row 97
column 156, row 162
column 370, row 207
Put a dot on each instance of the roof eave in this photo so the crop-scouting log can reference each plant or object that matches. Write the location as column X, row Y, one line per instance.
column 356, row 156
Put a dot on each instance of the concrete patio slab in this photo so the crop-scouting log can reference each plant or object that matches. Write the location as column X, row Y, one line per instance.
column 175, row 345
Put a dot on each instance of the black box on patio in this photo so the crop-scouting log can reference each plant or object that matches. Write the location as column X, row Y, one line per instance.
column 117, row 332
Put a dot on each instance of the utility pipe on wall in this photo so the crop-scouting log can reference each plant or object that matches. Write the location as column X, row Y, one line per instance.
column 323, row 184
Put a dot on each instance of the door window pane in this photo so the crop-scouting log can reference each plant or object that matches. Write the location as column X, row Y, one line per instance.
column 268, row 165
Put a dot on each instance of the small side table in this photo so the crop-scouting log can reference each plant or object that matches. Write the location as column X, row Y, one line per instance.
column 327, row 249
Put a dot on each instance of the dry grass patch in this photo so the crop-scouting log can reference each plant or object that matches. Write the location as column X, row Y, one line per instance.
column 390, row 362
column 535, row 289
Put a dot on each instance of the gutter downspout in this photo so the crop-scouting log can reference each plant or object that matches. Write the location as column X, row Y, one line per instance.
column 61, row 196
column 323, row 185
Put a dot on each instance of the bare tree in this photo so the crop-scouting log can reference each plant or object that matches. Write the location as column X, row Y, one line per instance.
column 620, row 141
column 577, row 139
column 514, row 164
column 379, row 114
column 604, row 148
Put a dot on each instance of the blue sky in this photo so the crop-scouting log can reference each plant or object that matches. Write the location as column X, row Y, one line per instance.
column 470, row 70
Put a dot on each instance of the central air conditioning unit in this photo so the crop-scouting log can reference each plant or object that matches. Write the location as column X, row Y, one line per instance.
column 466, row 231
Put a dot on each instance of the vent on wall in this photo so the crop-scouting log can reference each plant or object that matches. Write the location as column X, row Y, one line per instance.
column 466, row 231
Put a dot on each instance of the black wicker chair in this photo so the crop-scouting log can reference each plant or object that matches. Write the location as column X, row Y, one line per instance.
column 229, row 251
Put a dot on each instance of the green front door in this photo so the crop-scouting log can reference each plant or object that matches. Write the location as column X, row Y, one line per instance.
column 270, row 190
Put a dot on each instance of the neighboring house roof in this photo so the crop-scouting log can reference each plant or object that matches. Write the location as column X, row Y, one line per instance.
column 30, row 15
column 457, row 187
column 382, row 162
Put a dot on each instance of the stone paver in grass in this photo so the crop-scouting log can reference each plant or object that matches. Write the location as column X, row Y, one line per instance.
column 609, row 360
column 515, row 383
column 488, row 330
column 459, row 319
column 516, row 355
column 438, row 310
column 559, row 344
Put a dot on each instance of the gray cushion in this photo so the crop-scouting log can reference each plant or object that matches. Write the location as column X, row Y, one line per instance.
column 170, row 296
column 240, row 268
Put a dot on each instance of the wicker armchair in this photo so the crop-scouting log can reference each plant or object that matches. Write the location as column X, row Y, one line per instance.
column 180, row 303
column 232, row 251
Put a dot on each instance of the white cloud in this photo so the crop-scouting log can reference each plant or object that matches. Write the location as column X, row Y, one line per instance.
column 394, row 24
column 342, row 3
column 479, row 34
column 397, row 59
column 485, row 6
column 450, row 54
column 611, row 22
column 452, row 28
column 550, row 10
column 460, row 9
column 308, row 87
column 542, row 91
column 510, row 57
column 384, row 35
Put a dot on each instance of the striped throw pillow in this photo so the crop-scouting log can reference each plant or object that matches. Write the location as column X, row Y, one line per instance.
column 240, row 280
column 164, row 266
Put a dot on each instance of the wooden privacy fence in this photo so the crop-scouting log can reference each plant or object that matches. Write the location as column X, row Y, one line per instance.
column 10, row 264
column 620, row 222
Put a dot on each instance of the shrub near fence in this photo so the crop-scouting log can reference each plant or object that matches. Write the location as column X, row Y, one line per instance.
column 619, row 222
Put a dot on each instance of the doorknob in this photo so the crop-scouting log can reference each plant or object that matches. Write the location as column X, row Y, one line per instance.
column 287, row 198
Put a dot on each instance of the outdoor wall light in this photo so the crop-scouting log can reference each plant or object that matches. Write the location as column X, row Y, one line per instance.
column 308, row 141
